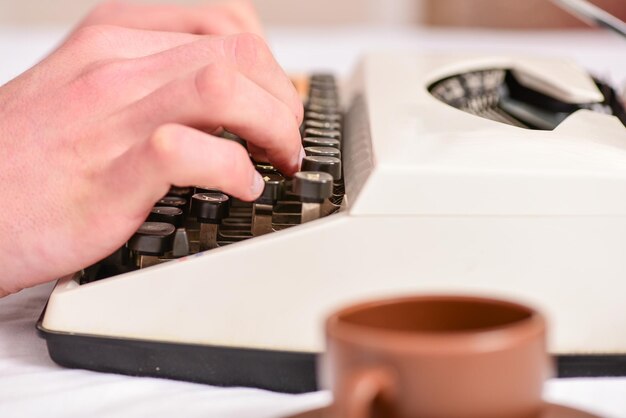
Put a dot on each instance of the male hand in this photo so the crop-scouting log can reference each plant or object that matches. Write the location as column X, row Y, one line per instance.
column 95, row 134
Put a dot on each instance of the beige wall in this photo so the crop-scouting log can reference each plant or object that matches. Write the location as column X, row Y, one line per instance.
column 489, row 13
column 276, row 12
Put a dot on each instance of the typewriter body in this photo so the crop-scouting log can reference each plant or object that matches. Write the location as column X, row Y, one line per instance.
column 497, row 175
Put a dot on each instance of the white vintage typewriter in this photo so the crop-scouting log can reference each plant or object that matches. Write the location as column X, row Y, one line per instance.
column 496, row 175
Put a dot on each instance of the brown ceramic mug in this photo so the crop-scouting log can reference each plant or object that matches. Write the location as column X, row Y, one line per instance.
column 436, row 357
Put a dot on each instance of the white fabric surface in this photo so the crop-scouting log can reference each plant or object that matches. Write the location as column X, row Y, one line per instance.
column 32, row 385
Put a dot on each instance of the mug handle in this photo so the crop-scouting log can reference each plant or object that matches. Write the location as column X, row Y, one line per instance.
column 362, row 388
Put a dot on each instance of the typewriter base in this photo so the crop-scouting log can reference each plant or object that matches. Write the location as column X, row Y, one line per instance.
column 280, row 371
column 277, row 371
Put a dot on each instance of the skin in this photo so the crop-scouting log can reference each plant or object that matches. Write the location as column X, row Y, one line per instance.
column 95, row 134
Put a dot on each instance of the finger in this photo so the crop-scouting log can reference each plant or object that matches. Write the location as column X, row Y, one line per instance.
column 218, row 96
column 247, row 53
column 258, row 154
column 182, row 156
column 215, row 19
column 104, row 42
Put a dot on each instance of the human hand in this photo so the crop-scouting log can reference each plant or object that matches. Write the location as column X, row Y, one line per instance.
column 95, row 134
column 217, row 18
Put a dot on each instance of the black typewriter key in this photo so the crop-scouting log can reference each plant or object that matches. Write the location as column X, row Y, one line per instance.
column 323, row 76
column 323, row 101
column 314, row 188
column 264, row 168
column 322, row 133
column 167, row 214
column 319, row 124
column 314, row 107
column 152, row 239
column 323, row 152
column 179, row 191
column 311, row 141
column 330, row 165
column 173, row 201
column 322, row 93
column 330, row 117
column 274, row 184
column 263, row 207
column 210, row 209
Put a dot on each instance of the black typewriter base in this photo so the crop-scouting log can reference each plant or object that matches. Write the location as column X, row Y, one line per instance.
column 280, row 371
column 289, row 372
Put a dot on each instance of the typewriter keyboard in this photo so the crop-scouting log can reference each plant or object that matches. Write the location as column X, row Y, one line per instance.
column 191, row 219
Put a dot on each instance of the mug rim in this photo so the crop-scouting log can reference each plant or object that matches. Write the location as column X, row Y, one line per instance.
column 479, row 340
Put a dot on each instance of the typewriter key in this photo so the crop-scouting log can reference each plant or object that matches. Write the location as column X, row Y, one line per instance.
column 314, row 107
column 167, row 214
column 314, row 188
column 330, row 165
column 319, row 124
column 179, row 191
column 320, row 142
column 173, row 201
column 152, row 239
column 322, row 133
column 263, row 207
column 325, row 102
column 328, row 117
column 322, row 76
column 323, row 152
column 265, row 168
column 323, row 93
column 210, row 209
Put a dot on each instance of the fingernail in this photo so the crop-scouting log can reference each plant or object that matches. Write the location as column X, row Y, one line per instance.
column 258, row 184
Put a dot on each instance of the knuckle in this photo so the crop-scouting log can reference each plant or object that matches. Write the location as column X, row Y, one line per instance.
column 247, row 49
column 161, row 144
column 92, row 36
column 214, row 84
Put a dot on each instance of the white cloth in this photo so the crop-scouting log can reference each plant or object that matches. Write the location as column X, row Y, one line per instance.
column 32, row 385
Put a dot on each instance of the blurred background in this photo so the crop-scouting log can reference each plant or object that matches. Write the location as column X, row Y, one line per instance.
column 463, row 13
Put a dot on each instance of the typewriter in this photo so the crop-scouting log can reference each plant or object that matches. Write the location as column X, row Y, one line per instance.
column 490, row 175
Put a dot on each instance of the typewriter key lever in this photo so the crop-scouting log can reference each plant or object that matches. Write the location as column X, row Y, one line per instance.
column 314, row 188
column 152, row 239
column 263, row 207
column 210, row 208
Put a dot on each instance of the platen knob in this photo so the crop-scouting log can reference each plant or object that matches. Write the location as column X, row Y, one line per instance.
column 152, row 238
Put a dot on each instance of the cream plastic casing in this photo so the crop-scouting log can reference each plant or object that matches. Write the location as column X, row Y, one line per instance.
column 439, row 201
